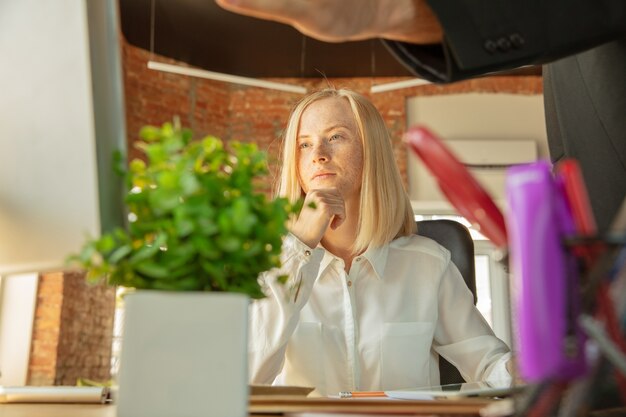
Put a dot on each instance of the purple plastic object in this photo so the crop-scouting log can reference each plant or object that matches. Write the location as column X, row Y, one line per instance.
column 545, row 279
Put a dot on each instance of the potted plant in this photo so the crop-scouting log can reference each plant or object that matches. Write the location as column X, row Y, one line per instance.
column 197, row 225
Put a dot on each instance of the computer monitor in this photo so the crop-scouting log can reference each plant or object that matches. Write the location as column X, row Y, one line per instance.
column 61, row 119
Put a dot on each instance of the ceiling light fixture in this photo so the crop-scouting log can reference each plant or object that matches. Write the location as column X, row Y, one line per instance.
column 397, row 85
column 229, row 78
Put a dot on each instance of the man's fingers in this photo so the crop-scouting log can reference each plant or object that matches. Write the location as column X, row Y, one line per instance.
column 347, row 20
column 283, row 11
column 325, row 20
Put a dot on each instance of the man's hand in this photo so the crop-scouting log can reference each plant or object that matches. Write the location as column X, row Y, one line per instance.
column 347, row 20
column 312, row 223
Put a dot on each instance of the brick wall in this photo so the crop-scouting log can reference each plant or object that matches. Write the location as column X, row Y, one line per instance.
column 255, row 114
column 84, row 349
column 154, row 97
column 43, row 352
column 72, row 330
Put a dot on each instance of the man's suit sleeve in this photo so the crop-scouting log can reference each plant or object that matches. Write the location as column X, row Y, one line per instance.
column 485, row 36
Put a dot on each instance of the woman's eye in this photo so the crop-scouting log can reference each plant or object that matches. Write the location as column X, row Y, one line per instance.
column 335, row 137
column 304, row 145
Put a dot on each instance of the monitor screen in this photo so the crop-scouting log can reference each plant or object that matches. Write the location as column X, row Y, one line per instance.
column 61, row 119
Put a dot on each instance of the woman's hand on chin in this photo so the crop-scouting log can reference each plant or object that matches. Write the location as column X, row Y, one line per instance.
column 322, row 208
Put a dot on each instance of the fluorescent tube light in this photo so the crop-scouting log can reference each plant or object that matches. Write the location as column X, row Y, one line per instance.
column 380, row 88
column 218, row 76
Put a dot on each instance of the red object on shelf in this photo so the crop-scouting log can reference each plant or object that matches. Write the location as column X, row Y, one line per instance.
column 576, row 193
column 458, row 185
column 578, row 198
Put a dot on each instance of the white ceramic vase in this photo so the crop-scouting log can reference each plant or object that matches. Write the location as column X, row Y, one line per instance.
column 184, row 354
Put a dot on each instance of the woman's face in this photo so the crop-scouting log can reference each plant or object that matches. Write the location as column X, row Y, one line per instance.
column 329, row 149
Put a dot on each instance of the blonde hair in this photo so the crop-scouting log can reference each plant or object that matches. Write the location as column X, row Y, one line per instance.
column 385, row 208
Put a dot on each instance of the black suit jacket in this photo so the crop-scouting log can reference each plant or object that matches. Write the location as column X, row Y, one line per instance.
column 484, row 36
column 584, row 93
column 585, row 105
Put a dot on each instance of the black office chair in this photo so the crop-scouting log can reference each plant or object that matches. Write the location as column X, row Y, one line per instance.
column 457, row 239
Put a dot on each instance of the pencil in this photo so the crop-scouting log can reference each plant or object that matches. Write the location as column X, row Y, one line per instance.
column 361, row 394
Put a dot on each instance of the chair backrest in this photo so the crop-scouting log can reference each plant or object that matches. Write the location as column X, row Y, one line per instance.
column 456, row 238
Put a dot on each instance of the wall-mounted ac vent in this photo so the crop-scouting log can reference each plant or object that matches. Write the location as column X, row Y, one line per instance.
column 490, row 154
column 487, row 160
column 487, row 131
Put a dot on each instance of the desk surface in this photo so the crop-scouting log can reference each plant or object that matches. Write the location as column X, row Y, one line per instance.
column 274, row 405
column 56, row 410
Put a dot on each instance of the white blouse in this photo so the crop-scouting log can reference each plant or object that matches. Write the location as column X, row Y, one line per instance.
column 380, row 327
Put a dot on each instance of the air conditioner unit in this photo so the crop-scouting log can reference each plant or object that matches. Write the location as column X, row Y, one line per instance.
column 487, row 160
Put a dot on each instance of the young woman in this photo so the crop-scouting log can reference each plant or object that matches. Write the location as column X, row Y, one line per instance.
column 368, row 304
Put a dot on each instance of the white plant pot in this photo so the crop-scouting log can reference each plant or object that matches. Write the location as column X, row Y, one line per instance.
column 184, row 354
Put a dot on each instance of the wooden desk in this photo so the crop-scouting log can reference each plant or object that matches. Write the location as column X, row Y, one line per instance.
column 56, row 410
column 275, row 405
column 292, row 405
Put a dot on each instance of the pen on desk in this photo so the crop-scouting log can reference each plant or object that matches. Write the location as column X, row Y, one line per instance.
column 361, row 394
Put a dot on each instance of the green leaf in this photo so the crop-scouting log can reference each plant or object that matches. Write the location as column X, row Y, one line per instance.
column 163, row 200
column 184, row 227
column 118, row 254
column 150, row 133
column 206, row 248
column 168, row 180
column 149, row 249
column 243, row 218
column 229, row 243
column 152, row 269
column 189, row 183
column 225, row 222
column 156, row 153
column 216, row 272
column 106, row 243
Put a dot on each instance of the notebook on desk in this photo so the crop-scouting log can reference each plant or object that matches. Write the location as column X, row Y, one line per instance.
column 55, row 394
column 465, row 390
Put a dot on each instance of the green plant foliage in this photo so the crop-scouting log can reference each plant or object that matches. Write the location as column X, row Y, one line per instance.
column 196, row 222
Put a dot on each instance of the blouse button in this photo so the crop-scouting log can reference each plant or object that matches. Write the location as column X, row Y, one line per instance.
column 358, row 259
column 307, row 252
column 349, row 283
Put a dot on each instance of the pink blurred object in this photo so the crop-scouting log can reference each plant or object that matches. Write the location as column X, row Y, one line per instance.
column 545, row 276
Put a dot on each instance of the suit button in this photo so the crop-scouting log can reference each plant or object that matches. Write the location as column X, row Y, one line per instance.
column 517, row 40
column 504, row 44
column 490, row 46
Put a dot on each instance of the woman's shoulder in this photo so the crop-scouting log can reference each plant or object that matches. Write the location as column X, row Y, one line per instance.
column 420, row 246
